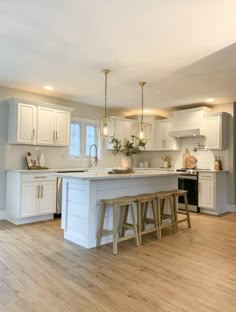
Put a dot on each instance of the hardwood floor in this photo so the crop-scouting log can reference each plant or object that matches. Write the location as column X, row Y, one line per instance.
column 193, row 270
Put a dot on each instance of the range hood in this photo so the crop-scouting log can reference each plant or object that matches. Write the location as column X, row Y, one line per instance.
column 187, row 133
column 189, row 123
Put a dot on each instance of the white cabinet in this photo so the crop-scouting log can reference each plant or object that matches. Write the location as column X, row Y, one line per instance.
column 163, row 141
column 212, row 192
column 216, row 131
column 34, row 123
column 62, row 127
column 34, row 197
column 53, row 127
column 124, row 129
column 45, row 129
column 38, row 198
column 22, row 124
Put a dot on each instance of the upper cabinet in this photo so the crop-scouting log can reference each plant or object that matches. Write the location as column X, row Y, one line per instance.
column 124, row 129
column 216, row 131
column 163, row 141
column 34, row 123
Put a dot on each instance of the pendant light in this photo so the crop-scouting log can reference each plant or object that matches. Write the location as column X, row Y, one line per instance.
column 106, row 124
column 142, row 129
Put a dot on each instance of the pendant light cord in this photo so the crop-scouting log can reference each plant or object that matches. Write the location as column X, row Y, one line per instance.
column 106, row 72
column 142, row 84
column 105, row 94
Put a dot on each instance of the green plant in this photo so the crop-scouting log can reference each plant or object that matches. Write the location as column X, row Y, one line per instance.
column 129, row 148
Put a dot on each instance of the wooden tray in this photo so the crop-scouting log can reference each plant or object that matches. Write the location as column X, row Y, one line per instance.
column 121, row 172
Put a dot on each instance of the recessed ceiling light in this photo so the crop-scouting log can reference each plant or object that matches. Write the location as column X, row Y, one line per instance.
column 210, row 100
column 50, row 88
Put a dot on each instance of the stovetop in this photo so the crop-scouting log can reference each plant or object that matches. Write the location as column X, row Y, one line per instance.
column 189, row 171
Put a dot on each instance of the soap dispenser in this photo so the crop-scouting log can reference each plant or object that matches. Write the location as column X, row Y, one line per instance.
column 42, row 160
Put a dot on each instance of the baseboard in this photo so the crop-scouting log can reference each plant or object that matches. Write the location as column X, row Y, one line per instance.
column 232, row 208
column 2, row 214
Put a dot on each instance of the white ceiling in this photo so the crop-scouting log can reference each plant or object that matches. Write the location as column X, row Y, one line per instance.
column 184, row 49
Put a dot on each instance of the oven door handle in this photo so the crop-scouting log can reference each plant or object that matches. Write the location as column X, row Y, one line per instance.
column 187, row 178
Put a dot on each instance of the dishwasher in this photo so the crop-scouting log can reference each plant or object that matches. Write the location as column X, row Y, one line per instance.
column 59, row 192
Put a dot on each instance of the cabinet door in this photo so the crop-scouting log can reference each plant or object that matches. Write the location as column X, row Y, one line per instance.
column 206, row 194
column 62, row 128
column 160, row 136
column 26, row 124
column 47, row 197
column 45, row 126
column 29, row 199
column 214, row 132
column 128, row 130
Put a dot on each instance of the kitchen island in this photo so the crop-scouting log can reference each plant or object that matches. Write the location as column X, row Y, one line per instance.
column 82, row 193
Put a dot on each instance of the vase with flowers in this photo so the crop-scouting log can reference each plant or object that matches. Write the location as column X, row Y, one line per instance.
column 166, row 161
column 128, row 148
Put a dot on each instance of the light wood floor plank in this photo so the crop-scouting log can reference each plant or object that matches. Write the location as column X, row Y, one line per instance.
column 192, row 270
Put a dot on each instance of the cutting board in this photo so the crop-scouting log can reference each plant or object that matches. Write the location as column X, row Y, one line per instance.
column 189, row 161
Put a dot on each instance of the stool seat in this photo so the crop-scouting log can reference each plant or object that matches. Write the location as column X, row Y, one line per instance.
column 119, row 200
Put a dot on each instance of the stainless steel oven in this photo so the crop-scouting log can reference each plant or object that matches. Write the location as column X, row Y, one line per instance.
column 189, row 181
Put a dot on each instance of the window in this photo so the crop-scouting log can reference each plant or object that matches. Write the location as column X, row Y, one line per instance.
column 75, row 139
column 90, row 139
column 83, row 134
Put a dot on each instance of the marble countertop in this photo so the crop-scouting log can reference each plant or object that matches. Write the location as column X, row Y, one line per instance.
column 99, row 175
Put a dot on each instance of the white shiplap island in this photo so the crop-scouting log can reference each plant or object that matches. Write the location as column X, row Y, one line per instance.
column 82, row 193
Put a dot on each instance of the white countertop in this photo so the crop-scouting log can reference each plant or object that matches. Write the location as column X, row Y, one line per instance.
column 100, row 169
column 99, row 175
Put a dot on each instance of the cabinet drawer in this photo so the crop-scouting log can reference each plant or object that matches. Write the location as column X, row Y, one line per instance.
column 37, row 177
column 206, row 176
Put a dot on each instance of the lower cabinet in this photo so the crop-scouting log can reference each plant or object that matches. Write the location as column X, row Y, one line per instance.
column 35, row 198
column 212, row 192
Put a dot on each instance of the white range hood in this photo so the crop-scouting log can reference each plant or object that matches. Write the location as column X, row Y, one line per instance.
column 187, row 133
column 189, row 123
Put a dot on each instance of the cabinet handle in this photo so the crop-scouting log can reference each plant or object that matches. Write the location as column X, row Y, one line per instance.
column 56, row 136
column 41, row 191
column 33, row 134
column 53, row 134
column 42, row 177
column 38, row 192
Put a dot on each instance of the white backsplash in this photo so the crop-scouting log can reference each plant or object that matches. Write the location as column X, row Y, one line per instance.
column 205, row 159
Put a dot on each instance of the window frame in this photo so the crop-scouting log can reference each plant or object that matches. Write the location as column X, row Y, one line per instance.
column 83, row 122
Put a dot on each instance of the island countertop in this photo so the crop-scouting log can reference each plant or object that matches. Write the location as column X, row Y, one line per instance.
column 99, row 175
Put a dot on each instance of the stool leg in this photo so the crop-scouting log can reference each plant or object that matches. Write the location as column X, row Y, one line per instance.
column 115, row 230
column 139, row 213
column 173, row 218
column 134, row 224
column 154, row 212
column 124, row 219
column 159, row 213
column 144, row 215
column 175, row 204
column 187, row 210
column 101, row 223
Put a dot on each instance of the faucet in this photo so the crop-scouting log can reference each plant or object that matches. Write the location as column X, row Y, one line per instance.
column 95, row 157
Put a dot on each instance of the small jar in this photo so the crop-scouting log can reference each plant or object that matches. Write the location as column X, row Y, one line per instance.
column 141, row 165
column 146, row 164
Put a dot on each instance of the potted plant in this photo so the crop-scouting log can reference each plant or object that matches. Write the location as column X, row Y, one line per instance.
column 128, row 148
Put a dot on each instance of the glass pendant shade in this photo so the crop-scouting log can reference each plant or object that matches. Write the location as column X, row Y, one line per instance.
column 106, row 124
column 106, row 127
column 142, row 130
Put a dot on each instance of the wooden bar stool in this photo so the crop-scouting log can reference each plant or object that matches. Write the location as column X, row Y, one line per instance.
column 124, row 204
column 177, row 194
column 143, row 202
column 162, row 199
